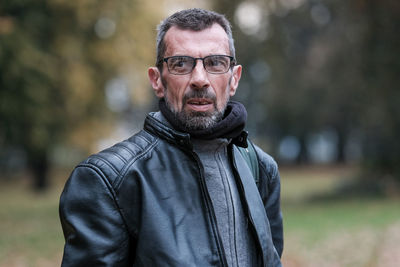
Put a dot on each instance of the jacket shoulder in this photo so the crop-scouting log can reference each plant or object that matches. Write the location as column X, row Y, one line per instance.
column 267, row 164
column 114, row 161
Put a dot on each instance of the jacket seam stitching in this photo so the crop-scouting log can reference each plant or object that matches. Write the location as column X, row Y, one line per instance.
column 126, row 148
column 137, row 146
column 105, row 162
column 144, row 138
column 110, row 189
column 119, row 179
column 118, row 156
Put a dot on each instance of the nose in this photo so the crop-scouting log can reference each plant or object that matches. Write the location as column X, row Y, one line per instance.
column 199, row 77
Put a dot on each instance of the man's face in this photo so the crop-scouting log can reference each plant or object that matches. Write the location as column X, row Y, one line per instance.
column 198, row 98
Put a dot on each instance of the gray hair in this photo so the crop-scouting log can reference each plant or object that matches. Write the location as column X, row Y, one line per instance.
column 195, row 19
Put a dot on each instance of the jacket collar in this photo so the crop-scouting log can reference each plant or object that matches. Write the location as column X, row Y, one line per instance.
column 157, row 125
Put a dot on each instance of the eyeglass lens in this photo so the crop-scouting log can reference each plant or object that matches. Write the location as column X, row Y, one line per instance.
column 185, row 64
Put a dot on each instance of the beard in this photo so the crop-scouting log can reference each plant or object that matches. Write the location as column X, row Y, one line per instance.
column 196, row 120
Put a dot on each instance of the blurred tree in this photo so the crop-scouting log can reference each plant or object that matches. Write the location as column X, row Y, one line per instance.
column 381, row 77
column 313, row 66
column 56, row 58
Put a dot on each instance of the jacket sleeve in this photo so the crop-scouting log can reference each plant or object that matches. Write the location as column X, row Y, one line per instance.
column 270, row 190
column 94, row 231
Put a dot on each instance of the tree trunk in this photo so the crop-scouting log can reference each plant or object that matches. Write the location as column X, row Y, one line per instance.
column 39, row 166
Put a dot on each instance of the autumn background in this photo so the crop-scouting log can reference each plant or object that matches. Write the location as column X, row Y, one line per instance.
column 320, row 84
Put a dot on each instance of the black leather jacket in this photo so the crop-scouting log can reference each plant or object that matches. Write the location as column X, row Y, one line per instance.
column 144, row 202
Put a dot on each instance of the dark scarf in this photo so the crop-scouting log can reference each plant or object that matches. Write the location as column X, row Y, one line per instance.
column 231, row 125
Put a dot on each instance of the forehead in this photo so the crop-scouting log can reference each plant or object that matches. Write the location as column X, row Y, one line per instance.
column 212, row 40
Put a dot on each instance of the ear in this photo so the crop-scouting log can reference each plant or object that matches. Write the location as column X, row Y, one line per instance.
column 155, row 80
column 236, row 74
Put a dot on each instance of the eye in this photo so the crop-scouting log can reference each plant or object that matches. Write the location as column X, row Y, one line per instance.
column 217, row 63
column 178, row 62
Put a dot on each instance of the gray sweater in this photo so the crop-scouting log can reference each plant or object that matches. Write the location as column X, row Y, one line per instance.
column 232, row 223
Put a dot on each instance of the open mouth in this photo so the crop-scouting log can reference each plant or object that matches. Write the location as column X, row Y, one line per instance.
column 200, row 104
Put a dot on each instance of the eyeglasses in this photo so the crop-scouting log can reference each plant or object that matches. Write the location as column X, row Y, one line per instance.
column 216, row 64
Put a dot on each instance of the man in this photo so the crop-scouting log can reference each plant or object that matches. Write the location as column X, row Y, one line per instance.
column 179, row 192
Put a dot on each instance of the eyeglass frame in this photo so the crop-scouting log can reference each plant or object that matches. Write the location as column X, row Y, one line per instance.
column 231, row 63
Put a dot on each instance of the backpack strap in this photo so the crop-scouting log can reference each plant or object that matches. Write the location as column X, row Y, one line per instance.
column 250, row 156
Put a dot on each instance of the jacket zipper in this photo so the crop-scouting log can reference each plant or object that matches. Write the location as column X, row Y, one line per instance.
column 209, row 206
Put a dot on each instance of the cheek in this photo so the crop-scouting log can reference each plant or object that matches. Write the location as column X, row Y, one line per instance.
column 175, row 91
column 222, row 90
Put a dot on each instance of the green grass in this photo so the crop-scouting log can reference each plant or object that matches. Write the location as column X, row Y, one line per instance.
column 321, row 230
column 318, row 231
column 30, row 230
column 318, row 220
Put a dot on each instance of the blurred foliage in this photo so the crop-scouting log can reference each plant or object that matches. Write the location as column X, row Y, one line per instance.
column 73, row 71
column 322, row 65
column 56, row 58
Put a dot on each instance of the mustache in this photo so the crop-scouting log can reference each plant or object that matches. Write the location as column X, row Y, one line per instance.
column 202, row 93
